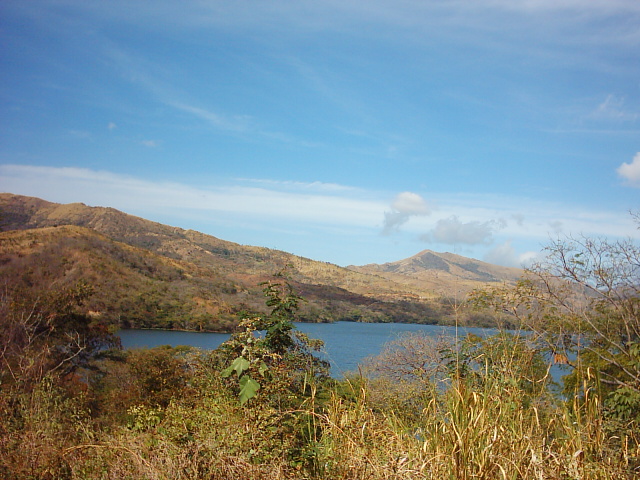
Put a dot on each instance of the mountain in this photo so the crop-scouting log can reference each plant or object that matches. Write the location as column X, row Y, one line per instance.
column 445, row 273
column 146, row 274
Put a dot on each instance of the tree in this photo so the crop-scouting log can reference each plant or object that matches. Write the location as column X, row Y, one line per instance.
column 413, row 356
column 583, row 300
column 44, row 332
column 408, row 372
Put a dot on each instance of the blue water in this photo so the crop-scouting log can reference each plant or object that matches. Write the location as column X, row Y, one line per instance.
column 346, row 343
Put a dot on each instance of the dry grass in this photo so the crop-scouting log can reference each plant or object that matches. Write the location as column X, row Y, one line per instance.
column 470, row 434
column 489, row 429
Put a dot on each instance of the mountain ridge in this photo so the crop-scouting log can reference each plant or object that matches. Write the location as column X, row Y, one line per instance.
column 406, row 290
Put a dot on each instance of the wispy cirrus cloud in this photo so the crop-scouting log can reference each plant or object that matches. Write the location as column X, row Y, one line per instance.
column 235, row 123
column 350, row 214
column 411, row 20
column 159, row 83
column 614, row 108
column 307, row 13
column 162, row 85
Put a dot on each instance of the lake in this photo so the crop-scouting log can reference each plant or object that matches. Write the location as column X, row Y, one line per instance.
column 346, row 343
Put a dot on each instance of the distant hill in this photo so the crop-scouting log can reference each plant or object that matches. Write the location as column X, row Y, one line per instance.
column 146, row 274
column 443, row 273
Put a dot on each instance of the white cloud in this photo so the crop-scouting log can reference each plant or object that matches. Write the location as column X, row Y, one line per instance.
column 236, row 123
column 332, row 207
column 410, row 203
column 307, row 187
column 309, row 12
column 631, row 171
column 150, row 143
column 80, row 134
column 156, row 80
column 556, row 226
column 519, row 218
column 600, row 6
column 452, row 231
column 506, row 255
column 404, row 206
column 112, row 126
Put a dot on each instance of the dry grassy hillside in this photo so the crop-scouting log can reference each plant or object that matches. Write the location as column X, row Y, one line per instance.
column 154, row 275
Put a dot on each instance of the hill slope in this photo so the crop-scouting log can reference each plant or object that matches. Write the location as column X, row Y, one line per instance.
column 154, row 275
column 133, row 286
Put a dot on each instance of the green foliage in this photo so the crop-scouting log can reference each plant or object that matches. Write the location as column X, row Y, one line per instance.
column 284, row 304
column 239, row 365
column 282, row 356
column 624, row 404
column 248, row 386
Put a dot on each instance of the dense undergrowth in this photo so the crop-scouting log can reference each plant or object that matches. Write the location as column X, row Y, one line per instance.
column 169, row 414
column 479, row 408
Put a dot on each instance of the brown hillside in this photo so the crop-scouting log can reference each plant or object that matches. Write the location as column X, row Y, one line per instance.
column 212, row 280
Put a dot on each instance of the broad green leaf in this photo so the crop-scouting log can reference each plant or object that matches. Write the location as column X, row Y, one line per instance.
column 239, row 365
column 248, row 388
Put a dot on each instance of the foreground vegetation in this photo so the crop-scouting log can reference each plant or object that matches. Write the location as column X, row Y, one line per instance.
column 74, row 406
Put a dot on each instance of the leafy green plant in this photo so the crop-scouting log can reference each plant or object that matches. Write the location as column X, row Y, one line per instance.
column 282, row 355
column 251, row 361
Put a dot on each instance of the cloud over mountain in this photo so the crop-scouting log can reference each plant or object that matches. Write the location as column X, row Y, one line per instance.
column 405, row 206
column 452, row 231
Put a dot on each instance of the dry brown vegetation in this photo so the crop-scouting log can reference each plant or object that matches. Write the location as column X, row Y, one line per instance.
column 481, row 427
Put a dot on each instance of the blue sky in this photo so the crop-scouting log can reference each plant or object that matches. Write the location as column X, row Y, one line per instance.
column 345, row 131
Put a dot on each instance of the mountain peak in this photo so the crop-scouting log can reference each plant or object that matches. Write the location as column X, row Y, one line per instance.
column 442, row 271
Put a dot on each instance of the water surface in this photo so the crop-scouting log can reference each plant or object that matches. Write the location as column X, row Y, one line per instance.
column 346, row 343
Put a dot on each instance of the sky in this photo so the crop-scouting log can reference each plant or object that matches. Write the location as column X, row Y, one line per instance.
column 349, row 131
